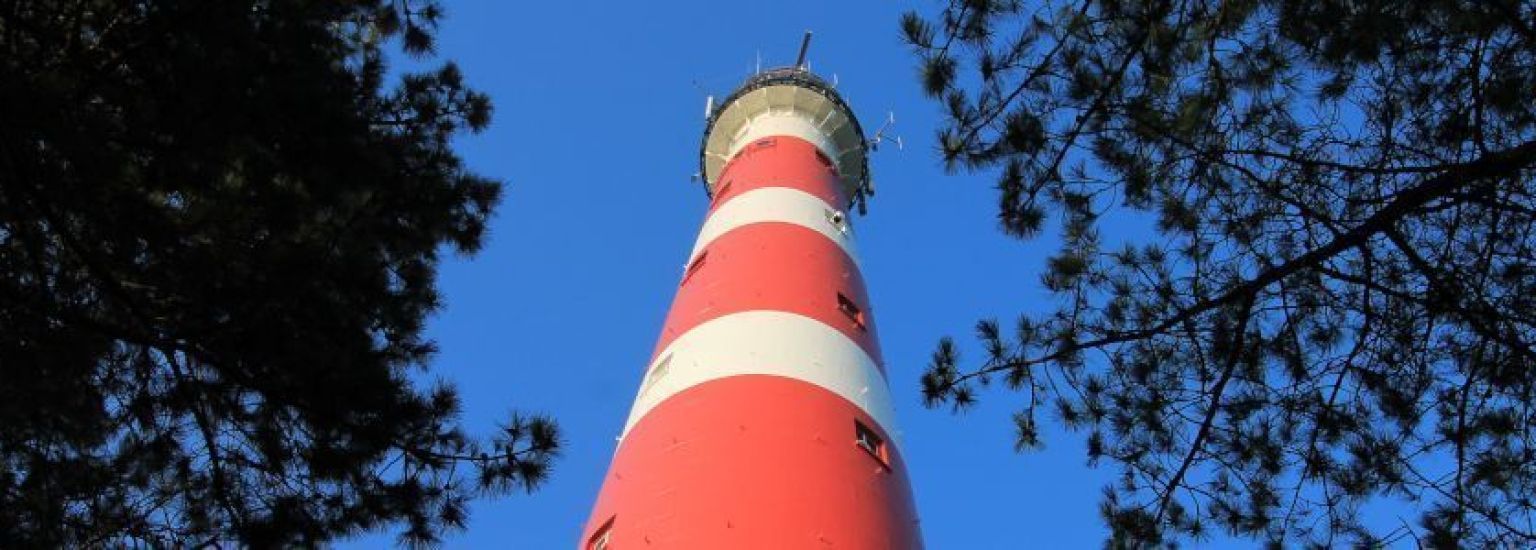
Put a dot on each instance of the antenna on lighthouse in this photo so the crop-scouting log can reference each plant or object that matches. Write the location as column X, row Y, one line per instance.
column 709, row 99
column 785, row 129
column 874, row 142
column 805, row 44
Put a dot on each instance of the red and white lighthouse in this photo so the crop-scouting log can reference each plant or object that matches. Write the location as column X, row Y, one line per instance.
column 764, row 419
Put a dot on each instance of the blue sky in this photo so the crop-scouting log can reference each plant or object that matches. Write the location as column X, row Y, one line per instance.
column 597, row 128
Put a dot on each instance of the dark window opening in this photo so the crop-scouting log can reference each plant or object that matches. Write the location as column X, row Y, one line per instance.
column 871, row 442
column 720, row 191
column 765, row 143
column 825, row 160
column 851, row 310
column 694, row 266
column 657, row 371
column 601, row 538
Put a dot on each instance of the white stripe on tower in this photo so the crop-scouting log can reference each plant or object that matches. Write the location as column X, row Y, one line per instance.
column 774, row 123
column 778, row 204
column 772, row 343
column 767, row 385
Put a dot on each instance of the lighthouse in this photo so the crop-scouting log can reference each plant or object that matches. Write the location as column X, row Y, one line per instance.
column 763, row 419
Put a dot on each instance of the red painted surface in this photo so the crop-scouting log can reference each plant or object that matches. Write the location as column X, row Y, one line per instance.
column 755, row 462
column 760, row 461
column 772, row 266
column 786, row 162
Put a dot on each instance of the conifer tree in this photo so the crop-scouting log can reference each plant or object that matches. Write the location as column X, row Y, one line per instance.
column 219, row 227
column 1334, row 303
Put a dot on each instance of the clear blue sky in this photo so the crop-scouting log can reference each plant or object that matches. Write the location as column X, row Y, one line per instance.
column 596, row 132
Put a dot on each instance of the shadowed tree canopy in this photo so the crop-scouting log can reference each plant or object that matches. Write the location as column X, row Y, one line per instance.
column 1332, row 307
column 219, row 228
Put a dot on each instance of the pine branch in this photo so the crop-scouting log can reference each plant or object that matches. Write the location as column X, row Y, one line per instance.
column 1402, row 204
column 1239, row 339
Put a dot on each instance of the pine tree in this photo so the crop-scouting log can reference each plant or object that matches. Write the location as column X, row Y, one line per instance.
column 219, row 228
column 1338, row 303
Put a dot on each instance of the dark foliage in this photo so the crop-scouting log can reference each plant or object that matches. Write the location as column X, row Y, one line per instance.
column 218, row 240
column 1335, row 301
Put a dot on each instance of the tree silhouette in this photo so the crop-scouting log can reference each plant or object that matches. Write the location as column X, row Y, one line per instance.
column 219, row 230
column 1336, row 305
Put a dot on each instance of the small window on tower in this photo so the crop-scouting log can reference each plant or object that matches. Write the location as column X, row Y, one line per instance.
column 657, row 371
column 825, row 160
column 851, row 310
column 871, row 442
column 720, row 191
column 765, row 143
column 601, row 538
column 694, row 266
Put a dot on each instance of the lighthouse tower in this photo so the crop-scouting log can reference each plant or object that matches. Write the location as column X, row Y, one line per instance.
column 764, row 419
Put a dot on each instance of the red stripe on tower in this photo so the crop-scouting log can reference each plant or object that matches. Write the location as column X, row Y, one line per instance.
column 764, row 419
